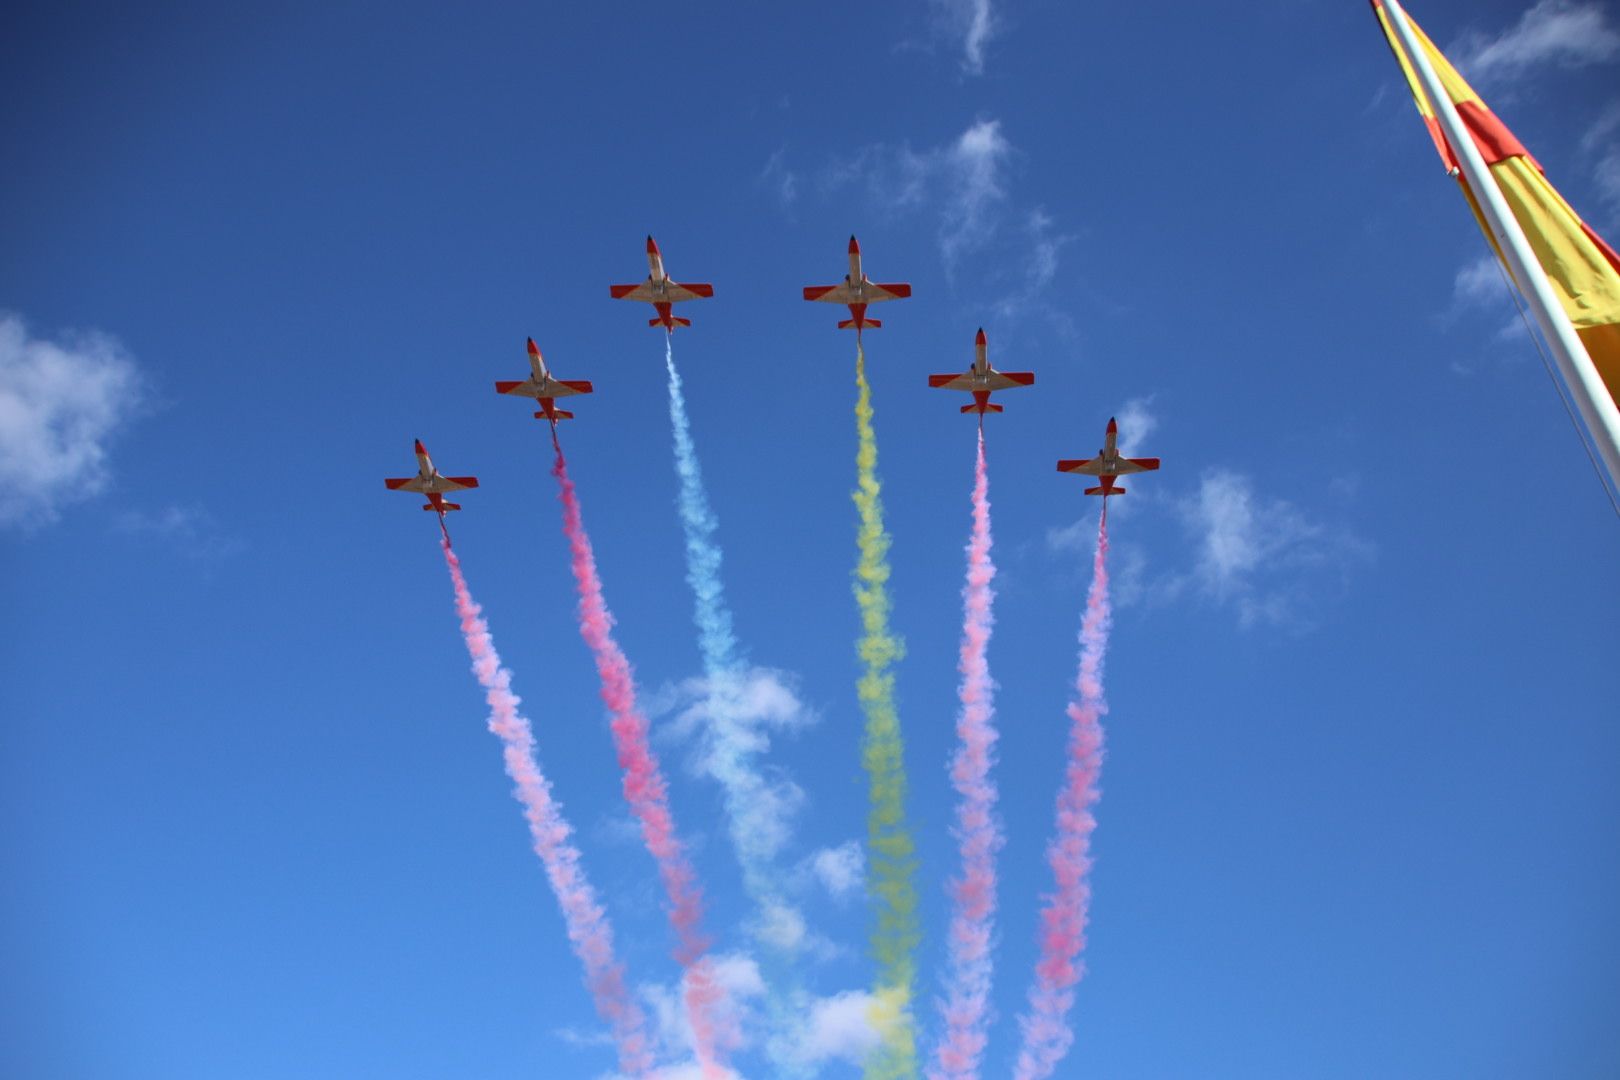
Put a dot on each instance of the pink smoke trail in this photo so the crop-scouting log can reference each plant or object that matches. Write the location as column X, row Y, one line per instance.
column 1047, row 1034
column 643, row 782
column 978, row 833
column 587, row 923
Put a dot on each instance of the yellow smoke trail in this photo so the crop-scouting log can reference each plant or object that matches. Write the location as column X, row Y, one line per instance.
column 890, row 850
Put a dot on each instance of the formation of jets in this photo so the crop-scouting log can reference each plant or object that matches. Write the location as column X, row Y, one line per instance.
column 856, row 291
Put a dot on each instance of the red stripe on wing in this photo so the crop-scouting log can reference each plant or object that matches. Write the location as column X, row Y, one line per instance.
column 619, row 292
column 701, row 289
column 582, row 385
column 816, row 292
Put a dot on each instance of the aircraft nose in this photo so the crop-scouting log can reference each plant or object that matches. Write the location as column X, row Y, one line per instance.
column 420, row 449
column 534, row 350
column 652, row 245
column 854, row 245
column 980, row 340
column 1113, row 428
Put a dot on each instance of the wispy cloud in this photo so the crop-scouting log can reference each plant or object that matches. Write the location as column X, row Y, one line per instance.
column 1602, row 143
column 765, row 703
column 971, row 23
column 1264, row 556
column 190, row 530
column 841, row 870
column 61, row 403
column 780, row 180
column 1557, row 32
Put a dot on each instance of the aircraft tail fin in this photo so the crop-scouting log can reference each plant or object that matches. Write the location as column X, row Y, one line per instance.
column 1105, row 491
column 444, row 506
column 849, row 324
column 987, row 407
column 561, row 414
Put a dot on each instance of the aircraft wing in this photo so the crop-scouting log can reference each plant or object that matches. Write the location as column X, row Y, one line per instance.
column 1128, row 465
column 894, row 290
column 829, row 294
column 643, row 291
column 997, row 380
column 1088, row 466
column 406, row 483
column 455, row 483
column 689, row 290
column 556, row 388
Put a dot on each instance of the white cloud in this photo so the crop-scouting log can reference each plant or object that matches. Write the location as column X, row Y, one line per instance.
column 781, row 180
column 1602, row 141
column 965, row 178
column 841, row 870
column 60, row 405
column 1136, row 424
column 1263, row 556
column 973, row 169
column 191, row 530
column 970, row 21
column 839, row 1027
column 1562, row 32
column 1479, row 283
column 731, row 727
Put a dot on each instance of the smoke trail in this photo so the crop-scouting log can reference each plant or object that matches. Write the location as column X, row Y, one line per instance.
column 1047, row 1034
column 587, row 924
column 643, row 782
column 891, row 850
column 732, row 750
column 977, row 831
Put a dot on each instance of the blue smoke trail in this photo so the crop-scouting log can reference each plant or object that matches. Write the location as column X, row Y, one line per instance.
column 752, row 805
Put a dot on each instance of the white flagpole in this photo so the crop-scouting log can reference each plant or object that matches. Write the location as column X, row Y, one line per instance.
column 1580, row 375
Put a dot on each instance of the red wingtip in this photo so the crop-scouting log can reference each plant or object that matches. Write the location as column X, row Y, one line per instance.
column 1113, row 428
column 854, row 245
column 534, row 350
column 420, row 449
column 652, row 246
column 980, row 340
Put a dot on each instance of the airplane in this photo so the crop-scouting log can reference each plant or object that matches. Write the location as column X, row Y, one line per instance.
column 659, row 291
column 545, row 389
column 429, row 482
column 981, row 380
column 1108, row 464
column 857, row 291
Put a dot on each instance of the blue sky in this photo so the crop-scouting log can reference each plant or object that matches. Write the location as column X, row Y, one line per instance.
column 1359, row 815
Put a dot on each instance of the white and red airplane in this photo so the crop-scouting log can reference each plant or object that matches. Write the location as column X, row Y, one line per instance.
column 1108, row 464
column 857, row 290
column 659, row 291
column 428, row 481
column 543, row 388
column 981, row 380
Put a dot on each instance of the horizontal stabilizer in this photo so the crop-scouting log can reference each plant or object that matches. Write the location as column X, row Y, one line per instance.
column 849, row 324
column 988, row 406
column 561, row 414
column 1105, row 491
column 442, row 506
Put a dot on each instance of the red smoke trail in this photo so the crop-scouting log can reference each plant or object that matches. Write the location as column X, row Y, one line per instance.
column 587, row 924
column 977, row 831
column 1047, row 1034
column 643, row 782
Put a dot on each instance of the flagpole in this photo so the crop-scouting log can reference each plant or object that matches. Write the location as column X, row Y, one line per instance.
column 1586, row 386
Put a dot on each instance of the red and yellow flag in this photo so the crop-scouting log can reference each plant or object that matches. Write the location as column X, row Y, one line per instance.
column 1584, row 271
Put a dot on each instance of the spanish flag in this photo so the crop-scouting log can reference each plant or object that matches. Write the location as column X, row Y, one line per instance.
column 1583, row 270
